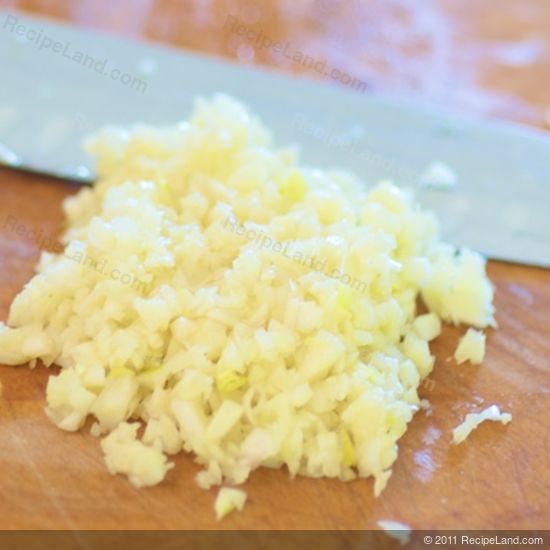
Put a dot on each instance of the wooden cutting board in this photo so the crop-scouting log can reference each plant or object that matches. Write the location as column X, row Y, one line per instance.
column 499, row 478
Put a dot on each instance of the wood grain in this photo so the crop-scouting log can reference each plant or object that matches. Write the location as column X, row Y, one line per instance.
column 499, row 478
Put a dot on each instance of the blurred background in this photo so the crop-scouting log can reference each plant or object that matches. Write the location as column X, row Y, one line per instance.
column 489, row 57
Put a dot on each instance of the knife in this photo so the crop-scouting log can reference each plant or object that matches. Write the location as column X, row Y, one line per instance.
column 62, row 83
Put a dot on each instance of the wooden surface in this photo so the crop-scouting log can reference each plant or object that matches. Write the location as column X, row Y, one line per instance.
column 499, row 478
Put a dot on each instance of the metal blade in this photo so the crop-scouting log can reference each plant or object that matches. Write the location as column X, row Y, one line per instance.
column 61, row 83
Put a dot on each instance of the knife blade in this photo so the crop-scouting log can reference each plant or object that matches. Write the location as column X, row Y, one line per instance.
column 62, row 83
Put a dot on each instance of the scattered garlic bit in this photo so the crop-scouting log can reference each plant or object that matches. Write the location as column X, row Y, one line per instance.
column 427, row 326
column 396, row 530
column 473, row 420
column 471, row 347
column 425, row 405
column 229, row 499
column 438, row 175
column 245, row 308
column 124, row 454
column 95, row 430
column 209, row 477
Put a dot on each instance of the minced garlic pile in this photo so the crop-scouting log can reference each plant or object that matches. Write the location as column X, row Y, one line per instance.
column 243, row 307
